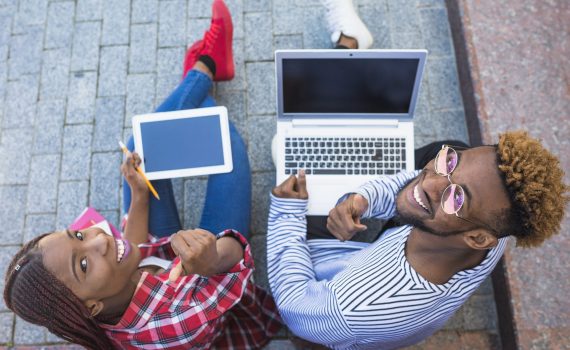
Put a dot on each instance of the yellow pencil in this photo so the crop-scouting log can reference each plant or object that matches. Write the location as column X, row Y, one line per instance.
column 150, row 186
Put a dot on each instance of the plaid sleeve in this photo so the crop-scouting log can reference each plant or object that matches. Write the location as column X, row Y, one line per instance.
column 159, row 247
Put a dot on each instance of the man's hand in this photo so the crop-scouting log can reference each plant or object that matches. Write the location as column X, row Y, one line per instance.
column 344, row 219
column 197, row 252
column 134, row 179
column 293, row 187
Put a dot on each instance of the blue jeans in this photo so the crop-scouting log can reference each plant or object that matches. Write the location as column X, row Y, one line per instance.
column 228, row 196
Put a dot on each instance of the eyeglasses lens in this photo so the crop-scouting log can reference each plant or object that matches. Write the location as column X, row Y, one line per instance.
column 445, row 161
column 452, row 199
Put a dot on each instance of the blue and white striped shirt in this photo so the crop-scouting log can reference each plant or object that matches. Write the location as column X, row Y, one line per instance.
column 352, row 295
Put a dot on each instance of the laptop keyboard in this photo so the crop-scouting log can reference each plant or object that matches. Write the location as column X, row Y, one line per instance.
column 345, row 155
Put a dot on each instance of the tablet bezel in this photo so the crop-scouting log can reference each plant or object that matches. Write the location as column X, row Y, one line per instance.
column 220, row 111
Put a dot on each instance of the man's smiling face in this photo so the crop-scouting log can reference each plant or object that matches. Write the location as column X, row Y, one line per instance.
column 419, row 202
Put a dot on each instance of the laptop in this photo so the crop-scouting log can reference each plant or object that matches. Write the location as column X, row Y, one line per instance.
column 346, row 117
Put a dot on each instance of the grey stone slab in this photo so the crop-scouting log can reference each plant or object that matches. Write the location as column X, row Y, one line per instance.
column 27, row 333
column 376, row 19
column 109, row 121
column 37, row 224
column 144, row 11
column 21, row 102
column 431, row 3
column 235, row 103
column 196, row 29
column 456, row 322
column 52, row 338
column 315, row 33
column 85, row 53
column 6, row 17
column 261, row 184
column 435, row 28
column 194, row 196
column 12, row 213
column 42, row 186
column 76, row 161
column 6, row 325
column 165, row 84
column 49, row 127
column 443, row 84
column 413, row 40
column 140, row 95
column 55, row 74
column 113, row 70
column 259, row 39
column 6, row 255
column 170, row 60
column 236, row 9
column 261, row 88
column 486, row 287
column 200, row 9
column 256, row 5
column 143, row 48
column 280, row 344
column 71, row 200
column 239, row 80
column 480, row 313
column 287, row 18
column 288, row 42
column 30, row 13
column 105, row 177
column 59, row 32
column 308, row 3
column 116, row 19
column 259, row 251
column 260, row 131
column 112, row 216
column 450, row 125
column 81, row 99
column 26, row 53
column 15, row 156
column 404, row 16
column 172, row 23
column 89, row 10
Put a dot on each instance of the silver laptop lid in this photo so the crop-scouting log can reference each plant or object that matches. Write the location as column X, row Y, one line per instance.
column 348, row 83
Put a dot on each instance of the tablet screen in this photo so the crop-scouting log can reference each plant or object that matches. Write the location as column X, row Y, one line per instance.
column 182, row 143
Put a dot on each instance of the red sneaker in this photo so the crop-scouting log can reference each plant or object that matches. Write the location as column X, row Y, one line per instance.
column 217, row 42
column 191, row 57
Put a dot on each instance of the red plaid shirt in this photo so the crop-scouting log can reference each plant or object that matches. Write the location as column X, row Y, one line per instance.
column 225, row 311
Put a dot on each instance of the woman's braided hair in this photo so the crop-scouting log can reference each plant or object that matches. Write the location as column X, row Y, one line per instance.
column 37, row 296
column 535, row 182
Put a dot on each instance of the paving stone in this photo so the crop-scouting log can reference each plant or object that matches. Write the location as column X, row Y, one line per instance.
column 256, row 5
column 52, row 338
column 49, row 127
column 27, row 333
column 116, row 18
column 262, row 184
column 113, row 70
column 196, row 29
column 170, row 60
column 165, row 84
column 236, row 9
column 239, row 80
column 30, row 13
column 75, row 164
column 172, row 19
column 71, row 200
column 260, row 131
column 450, row 125
column 20, row 106
column 315, row 33
column 456, row 322
column 42, row 186
column 55, row 74
column 81, row 98
column 412, row 40
column 5, row 25
column 435, row 28
column 105, row 177
column 280, row 344
column 309, row 3
column 85, row 54
column 12, row 213
column 6, row 255
column 288, row 42
column 14, row 158
column 235, row 103
column 259, row 251
column 6, row 324
column 144, row 11
column 194, row 196
column 112, row 215
column 37, row 224
column 480, row 313
column 261, row 88
column 375, row 17
column 431, row 3
column 109, row 120
column 486, row 287
column 404, row 17
column 59, row 32
column 89, row 10
column 443, row 84
column 143, row 48
column 26, row 53
column 259, row 41
column 287, row 18
column 140, row 95
column 200, row 9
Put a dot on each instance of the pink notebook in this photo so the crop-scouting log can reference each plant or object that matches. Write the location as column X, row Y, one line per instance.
column 90, row 217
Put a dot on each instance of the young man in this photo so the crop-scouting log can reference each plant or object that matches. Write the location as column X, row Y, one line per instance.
column 456, row 214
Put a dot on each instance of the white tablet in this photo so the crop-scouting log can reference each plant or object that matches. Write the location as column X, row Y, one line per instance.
column 183, row 143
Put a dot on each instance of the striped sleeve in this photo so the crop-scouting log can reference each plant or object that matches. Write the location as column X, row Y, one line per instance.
column 308, row 307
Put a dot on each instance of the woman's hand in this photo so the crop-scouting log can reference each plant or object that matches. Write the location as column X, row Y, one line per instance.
column 134, row 179
column 197, row 251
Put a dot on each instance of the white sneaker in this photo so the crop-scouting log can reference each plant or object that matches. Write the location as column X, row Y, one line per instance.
column 274, row 150
column 343, row 19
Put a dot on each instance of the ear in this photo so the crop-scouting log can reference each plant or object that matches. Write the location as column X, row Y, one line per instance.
column 480, row 239
column 94, row 306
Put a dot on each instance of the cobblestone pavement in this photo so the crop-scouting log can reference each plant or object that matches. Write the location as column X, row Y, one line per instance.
column 74, row 72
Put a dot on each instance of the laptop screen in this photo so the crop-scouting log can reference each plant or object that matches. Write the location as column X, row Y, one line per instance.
column 364, row 85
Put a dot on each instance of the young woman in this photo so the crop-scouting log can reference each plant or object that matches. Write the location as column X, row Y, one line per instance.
column 187, row 290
